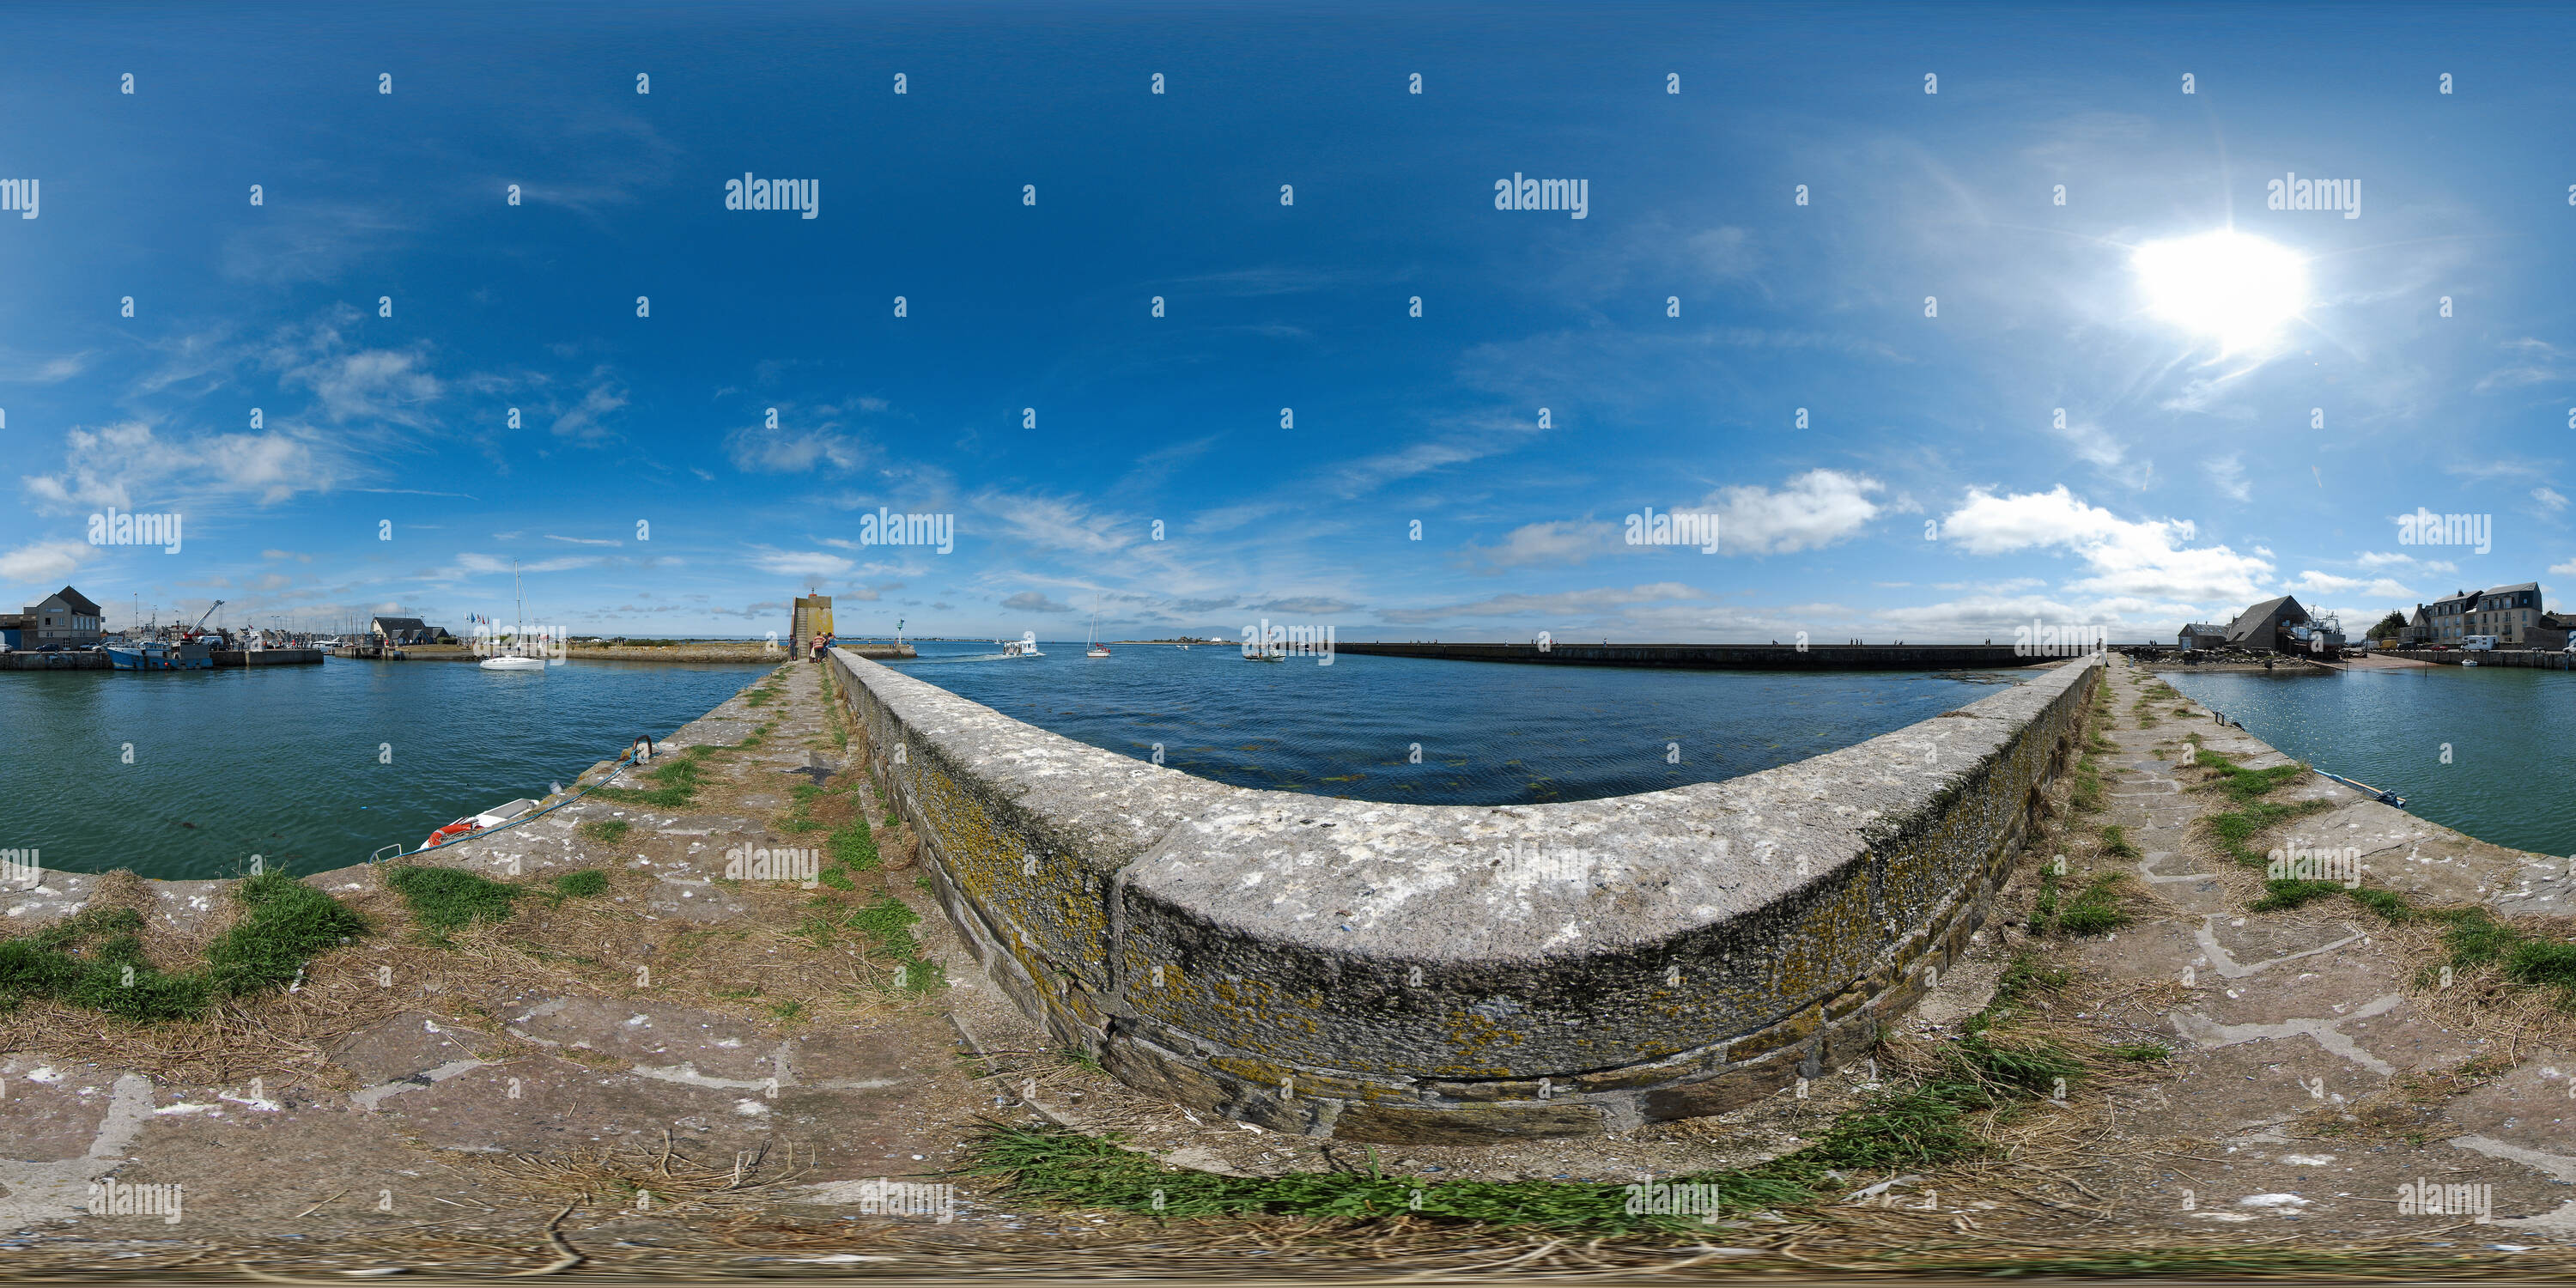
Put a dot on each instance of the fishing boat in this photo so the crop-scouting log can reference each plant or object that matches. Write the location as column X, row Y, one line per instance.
column 159, row 655
column 1097, row 648
column 517, row 658
column 473, row 823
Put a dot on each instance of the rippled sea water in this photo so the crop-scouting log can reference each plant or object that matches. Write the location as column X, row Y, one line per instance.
column 288, row 762
column 1489, row 733
column 2511, row 777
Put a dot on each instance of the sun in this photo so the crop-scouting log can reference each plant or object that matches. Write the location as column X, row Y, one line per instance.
column 2225, row 285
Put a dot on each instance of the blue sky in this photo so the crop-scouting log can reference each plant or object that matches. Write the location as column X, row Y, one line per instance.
column 1931, row 495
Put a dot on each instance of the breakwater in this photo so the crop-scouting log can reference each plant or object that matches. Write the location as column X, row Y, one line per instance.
column 1715, row 657
column 1464, row 973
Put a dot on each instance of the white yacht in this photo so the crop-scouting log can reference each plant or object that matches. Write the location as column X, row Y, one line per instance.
column 518, row 658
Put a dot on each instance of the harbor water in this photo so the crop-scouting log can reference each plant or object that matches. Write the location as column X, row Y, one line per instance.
column 2478, row 749
column 313, row 767
column 1487, row 733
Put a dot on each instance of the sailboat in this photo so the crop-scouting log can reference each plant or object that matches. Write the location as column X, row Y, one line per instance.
column 1097, row 648
column 517, row 659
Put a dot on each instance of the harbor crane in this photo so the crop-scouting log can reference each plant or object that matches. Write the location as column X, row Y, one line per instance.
column 198, row 630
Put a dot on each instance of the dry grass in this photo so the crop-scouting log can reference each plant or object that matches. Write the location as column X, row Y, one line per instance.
column 637, row 1179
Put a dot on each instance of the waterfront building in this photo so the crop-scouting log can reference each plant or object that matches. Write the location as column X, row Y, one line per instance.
column 12, row 632
column 2506, row 612
column 2449, row 617
column 66, row 617
column 2266, row 625
column 2202, row 635
column 2418, row 630
column 403, row 630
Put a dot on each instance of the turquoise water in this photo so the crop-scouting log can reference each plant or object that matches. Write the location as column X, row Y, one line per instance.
column 286, row 762
column 2511, row 775
column 1490, row 734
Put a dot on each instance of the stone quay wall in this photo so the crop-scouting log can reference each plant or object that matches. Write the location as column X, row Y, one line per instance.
column 2545, row 659
column 1465, row 973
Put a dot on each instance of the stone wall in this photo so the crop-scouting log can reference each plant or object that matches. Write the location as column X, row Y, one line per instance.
column 2545, row 659
column 1456, row 973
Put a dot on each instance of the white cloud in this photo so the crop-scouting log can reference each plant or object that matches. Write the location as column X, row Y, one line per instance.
column 582, row 423
column 2377, row 559
column 125, row 461
column 2144, row 558
column 1561, row 542
column 807, row 564
column 2109, row 455
column 585, row 541
column 2227, row 474
column 759, row 450
column 2312, row 583
column 1054, row 522
column 45, row 561
column 2549, row 497
column 1543, row 609
column 1813, row 510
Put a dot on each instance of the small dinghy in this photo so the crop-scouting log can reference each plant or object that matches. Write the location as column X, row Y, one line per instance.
column 473, row 823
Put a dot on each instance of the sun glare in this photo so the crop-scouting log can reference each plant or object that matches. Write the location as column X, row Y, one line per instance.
column 2225, row 285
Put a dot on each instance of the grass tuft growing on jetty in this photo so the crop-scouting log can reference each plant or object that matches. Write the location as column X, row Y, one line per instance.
column 95, row 958
column 2253, row 815
column 584, row 884
column 445, row 899
column 675, row 783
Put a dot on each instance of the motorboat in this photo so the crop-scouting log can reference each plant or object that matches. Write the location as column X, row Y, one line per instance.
column 473, row 823
column 1025, row 646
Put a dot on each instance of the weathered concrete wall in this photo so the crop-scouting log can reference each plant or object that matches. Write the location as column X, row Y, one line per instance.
column 1450, row 973
column 1713, row 657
